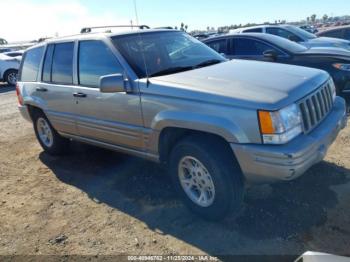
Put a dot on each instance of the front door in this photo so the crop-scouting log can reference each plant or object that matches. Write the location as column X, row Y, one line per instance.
column 113, row 118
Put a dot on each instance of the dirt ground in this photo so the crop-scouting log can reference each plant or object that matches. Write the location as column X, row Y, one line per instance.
column 97, row 202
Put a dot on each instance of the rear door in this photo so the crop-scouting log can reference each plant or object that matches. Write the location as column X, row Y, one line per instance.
column 57, row 87
column 220, row 46
column 113, row 118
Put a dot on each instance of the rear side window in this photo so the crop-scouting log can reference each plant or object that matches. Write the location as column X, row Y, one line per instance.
column 283, row 33
column 62, row 64
column 253, row 30
column 31, row 63
column 334, row 33
column 219, row 46
column 48, row 63
column 347, row 34
column 245, row 46
column 96, row 60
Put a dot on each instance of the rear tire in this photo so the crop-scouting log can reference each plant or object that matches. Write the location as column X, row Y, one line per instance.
column 11, row 77
column 207, row 177
column 49, row 139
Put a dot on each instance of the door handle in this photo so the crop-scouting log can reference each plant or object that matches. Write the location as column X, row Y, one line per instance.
column 79, row 95
column 41, row 89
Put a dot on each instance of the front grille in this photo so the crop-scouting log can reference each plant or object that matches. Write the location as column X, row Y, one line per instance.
column 315, row 107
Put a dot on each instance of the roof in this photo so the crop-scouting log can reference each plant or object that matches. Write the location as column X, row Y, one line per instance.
column 103, row 35
column 259, row 26
column 94, row 36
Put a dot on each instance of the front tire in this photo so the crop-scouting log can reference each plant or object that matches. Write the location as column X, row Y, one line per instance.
column 207, row 177
column 49, row 139
column 11, row 77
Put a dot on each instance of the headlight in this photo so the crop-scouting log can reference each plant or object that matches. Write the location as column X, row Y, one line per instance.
column 280, row 127
column 344, row 67
column 334, row 91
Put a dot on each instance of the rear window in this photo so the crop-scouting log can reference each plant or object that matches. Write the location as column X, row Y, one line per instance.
column 62, row 64
column 31, row 63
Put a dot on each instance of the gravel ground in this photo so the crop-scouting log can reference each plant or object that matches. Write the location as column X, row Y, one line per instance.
column 97, row 202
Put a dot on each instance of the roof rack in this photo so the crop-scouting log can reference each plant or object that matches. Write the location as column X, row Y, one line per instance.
column 87, row 30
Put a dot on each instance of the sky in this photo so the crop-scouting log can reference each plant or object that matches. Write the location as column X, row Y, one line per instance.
column 32, row 19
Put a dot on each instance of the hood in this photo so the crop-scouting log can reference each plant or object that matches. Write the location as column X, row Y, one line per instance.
column 328, row 51
column 253, row 84
column 329, row 41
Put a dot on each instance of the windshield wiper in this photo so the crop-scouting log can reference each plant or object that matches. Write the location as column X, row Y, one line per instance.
column 172, row 70
column 208, row 63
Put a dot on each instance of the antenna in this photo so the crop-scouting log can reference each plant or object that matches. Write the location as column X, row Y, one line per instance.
column 140, row 36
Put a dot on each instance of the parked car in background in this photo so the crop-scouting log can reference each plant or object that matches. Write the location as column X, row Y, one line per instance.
column 339, row 32
column 296, row 34
column 5, row 49
column 3, row 41
column 309, row 28
column 216, row 124
column 17, row 54
column 9, row 65
column 270, row 48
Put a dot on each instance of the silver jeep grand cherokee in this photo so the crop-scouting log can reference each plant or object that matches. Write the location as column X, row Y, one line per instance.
column 164, row 96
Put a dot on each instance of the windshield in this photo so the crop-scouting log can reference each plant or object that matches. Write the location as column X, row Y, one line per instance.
column 160, row 53
column 301, row 33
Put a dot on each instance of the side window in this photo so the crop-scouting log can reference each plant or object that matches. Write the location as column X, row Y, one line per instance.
column 31, row 63
column 347, row 34
column 96, row 60
column 219, row 46
column 283, row 33
column 46, row 77
column 334, row 33
column 245, row 46
column 62, row 64
column 253, row 30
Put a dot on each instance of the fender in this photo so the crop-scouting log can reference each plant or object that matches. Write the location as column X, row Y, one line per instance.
column 195, row 121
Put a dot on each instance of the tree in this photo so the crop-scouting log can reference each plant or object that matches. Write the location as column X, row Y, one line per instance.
column 182, row 27
column 325, row 18
column 186, row 27
column 313, row 18
column 308, row 19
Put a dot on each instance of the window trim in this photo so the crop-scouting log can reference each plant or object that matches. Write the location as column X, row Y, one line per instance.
column 284, row 54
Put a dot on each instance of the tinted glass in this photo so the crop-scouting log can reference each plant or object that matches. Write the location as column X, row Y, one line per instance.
column 283, row 33
column 253, row 30
column 334, row 33
column 219, row 46
column 31, row 64
column 245, row 46
column 48, row 63
column 162, row 51
column 62, row 66
column 347, row 34
column 96, row 60
column 300, row 32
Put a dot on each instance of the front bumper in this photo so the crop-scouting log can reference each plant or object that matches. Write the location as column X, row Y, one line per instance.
column 273, row 163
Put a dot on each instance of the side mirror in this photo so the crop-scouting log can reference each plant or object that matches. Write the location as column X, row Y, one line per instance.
column 271, row 54
column 112, row 83
column 224, row 55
